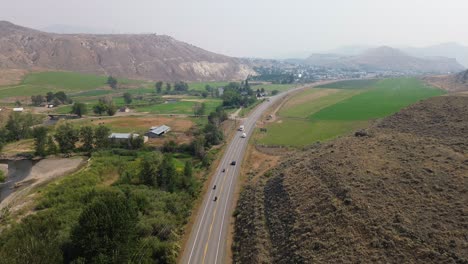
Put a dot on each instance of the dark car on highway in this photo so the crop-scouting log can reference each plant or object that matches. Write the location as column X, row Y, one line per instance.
column 233, row 162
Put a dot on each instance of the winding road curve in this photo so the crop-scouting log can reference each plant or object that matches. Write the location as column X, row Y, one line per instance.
column 208, row 238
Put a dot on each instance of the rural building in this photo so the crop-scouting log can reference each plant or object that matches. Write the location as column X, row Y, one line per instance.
column 124, row 109
column 158, row 131
column 18, row 109
column 124, row 137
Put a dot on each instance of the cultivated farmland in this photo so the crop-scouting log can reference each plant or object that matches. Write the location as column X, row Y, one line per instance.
column 322, row 113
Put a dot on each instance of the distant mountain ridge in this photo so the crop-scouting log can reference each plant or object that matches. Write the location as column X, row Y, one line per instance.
column 142, row 56
column 450, row 49
column 385, row 58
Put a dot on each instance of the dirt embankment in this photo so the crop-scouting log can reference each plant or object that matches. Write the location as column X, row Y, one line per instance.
column 398, row 192
column 41, row 173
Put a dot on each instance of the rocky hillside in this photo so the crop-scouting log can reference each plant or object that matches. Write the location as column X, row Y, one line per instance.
column 395, row 193
column 387, row 59
column 145, row 56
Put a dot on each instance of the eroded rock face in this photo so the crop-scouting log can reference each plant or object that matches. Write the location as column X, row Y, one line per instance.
column 145, row 56
column 396, row 195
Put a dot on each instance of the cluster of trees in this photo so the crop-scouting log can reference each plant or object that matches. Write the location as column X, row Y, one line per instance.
column 210, row 135
column 105, row 105
column 18, row 126
column 138, row 219
column 57, row 98
column 238, row 94
column 66, row 138
column 177, row 88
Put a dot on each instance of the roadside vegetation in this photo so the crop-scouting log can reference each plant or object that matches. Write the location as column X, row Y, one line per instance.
column 324, row 113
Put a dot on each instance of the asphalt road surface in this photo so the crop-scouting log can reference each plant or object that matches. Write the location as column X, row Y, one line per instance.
column 208, row 238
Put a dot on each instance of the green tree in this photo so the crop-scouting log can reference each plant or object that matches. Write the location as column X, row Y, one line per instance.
column 274, row 92
column 19, row 126
column 111, row 109
column 37, row 100
column 198, row 147
column 18, row 103
column 66, row 136
column 112, row 82
column 168, row 87
column 50, row 97
column 199, row 109
column 150, row 170
column 101, row 137
column 168, row 174
column 158, row 86
column 136, row 142
column 79, row 109
column 35, row 240
column 127, row 98
column 204, row 94
column 106, row 230
column 87, row 137
column 213, row 135
column 51, row 146
column 40, row 140
column 100, row 108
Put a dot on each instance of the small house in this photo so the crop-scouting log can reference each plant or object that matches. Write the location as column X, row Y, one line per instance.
column 158, row 131
column 124, row 109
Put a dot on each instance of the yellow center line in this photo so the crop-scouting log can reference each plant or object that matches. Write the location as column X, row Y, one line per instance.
column 212, row 220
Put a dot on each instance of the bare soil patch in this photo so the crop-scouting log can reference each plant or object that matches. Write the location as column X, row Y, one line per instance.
column 11, row 76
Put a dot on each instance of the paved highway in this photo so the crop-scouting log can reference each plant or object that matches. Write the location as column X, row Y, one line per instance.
column 207, row 241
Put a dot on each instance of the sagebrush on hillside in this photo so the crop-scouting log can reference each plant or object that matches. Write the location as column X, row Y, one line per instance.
column 395, row 193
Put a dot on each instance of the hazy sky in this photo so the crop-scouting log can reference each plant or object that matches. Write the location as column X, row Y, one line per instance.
column 260, row 28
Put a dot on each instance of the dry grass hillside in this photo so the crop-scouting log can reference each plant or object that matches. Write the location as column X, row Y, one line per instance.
column 144, row 56
column 395, row 193
column 454, row 83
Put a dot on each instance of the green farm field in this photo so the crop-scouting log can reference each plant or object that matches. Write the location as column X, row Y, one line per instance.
column 69, row 82
column 323, row 114
column 180, row 107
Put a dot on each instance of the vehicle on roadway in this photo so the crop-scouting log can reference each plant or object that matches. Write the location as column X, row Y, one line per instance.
column 241, row 128
column 244, row 135
column 214, row 187
column 233, row 162
column 224, row 170
column 215, row 199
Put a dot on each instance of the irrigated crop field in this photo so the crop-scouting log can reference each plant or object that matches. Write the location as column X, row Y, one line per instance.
column 69, row 82
column 320, row 114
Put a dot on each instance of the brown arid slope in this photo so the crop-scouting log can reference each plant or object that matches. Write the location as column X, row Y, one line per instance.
column 453, row 83
column 395, row 193
column 142, row 56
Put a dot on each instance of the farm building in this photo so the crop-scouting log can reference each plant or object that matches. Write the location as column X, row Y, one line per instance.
column 124, row 109
column 123, row 137
column 158, row 131
column 18, row 109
